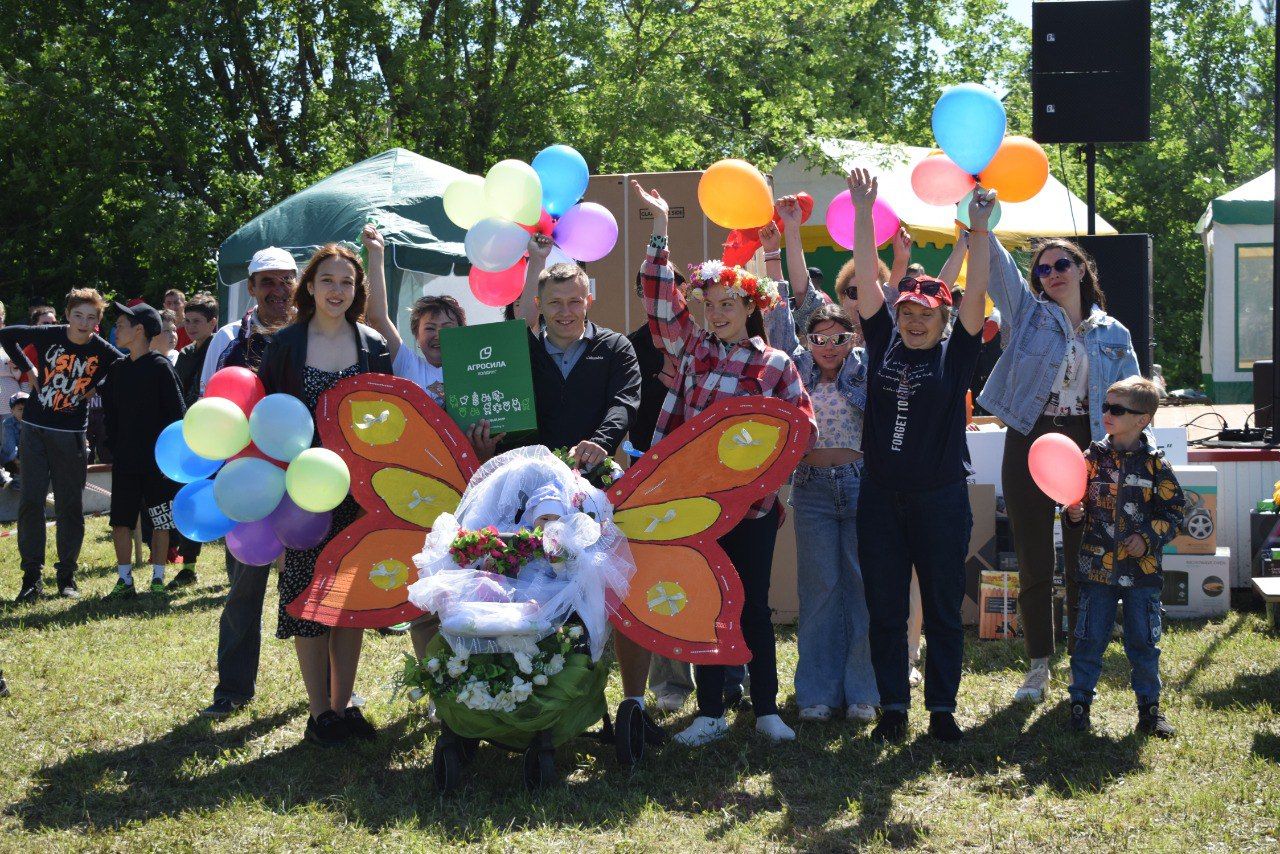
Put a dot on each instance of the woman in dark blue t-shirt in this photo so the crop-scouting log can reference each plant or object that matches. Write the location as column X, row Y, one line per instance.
column 914, row 506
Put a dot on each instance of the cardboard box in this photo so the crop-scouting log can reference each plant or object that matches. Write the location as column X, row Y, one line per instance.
column 1197, row 585
column 998, row 603
column 1198, row 533
column 489, row 376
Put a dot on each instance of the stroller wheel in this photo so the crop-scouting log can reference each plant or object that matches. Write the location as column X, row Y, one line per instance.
column 467, row 748
column 539, row 763
column 446, row 764
column 629, row 733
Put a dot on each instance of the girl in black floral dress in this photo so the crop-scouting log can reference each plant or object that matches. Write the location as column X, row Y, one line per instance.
column 325, row 343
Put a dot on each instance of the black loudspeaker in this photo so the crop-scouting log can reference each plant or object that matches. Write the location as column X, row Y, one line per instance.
column 1091, row 70
column 1262, row 393
column 1124, row 272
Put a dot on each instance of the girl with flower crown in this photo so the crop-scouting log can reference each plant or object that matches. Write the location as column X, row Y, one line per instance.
column 731, row 357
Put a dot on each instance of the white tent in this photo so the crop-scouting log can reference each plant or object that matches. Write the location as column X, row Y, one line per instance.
column 1237, row 230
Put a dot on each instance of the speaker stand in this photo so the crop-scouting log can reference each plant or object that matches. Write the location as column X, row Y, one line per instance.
column 1091, row 195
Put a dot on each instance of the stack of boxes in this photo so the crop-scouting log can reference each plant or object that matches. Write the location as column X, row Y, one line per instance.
column 1197, row 573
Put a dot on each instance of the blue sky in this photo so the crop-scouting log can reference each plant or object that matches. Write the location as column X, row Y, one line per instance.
column 1020, row 9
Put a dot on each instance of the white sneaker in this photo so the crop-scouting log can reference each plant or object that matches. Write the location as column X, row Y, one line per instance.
column 1033, row 687
column 915, row 678
column 702, row 731
column 815, row 713
column 861, row 712
column 671, row 702
column 772, row 727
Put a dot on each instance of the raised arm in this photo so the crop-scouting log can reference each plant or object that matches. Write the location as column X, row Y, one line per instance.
column 975, row 304
column 663, row 301
column 378, row 313
column 864, row 188
column 539, row 248
column 901, row 256
column 797, row 270
column 951, row 270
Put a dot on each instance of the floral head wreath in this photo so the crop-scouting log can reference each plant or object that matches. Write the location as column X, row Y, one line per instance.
column 762, row 291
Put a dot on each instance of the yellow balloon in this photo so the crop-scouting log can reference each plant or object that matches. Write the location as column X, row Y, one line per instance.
column 512, row 190
column 464, row 200
column 733, row 194
column 317, row 480
column 215, row 428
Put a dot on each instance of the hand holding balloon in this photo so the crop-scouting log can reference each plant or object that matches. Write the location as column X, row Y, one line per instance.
column 902, row 248
column 789, row 212
column 539, row 248
column 770, row 238
column 1075, row 513
column 981, row 205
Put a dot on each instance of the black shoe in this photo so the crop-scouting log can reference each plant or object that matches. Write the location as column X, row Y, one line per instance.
column 892, row 726
column 943, row 727
column 1151, row 721
column 328, row 730
column 654, row 735
column 358, row 725
column 221, row 708
column 28, row 593
column 1079, row 718
column 184, row 578
column 4, row 686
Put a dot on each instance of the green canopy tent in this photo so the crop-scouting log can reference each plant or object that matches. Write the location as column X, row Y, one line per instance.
column 403, row 191
column 1237, row 233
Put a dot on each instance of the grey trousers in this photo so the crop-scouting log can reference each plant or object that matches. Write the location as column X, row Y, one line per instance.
column 240, row 631
column 57, row 458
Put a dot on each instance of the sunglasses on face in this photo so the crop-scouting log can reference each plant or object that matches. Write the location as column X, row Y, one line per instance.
column 1062, row 265
column 839, row 339
column 927, row 287
column 1116, row 410
column 850, row 292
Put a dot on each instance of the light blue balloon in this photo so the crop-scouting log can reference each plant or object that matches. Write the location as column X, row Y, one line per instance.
column 969, row 124
column 177, row 460
column 564, row 175
column 281, row 426
column 962, row 211
column 196, row 513
column 248, row 489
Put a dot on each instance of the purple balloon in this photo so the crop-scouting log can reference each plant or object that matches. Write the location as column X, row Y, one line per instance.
column 587, row 231
column 298, row 529
column 254, row 543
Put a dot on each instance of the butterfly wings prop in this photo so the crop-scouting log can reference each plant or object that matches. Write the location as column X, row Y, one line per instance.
column 685, row 600
column 409, row 463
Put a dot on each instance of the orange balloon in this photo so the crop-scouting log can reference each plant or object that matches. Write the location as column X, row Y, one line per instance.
column 733, row 194
column 1019, row 170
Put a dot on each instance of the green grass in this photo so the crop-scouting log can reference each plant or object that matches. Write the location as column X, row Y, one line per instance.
column 100, row 749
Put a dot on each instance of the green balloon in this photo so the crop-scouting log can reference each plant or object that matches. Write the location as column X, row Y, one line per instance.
column 215, row 428
column 962, row 211
column 317, row 480
column 512, row 190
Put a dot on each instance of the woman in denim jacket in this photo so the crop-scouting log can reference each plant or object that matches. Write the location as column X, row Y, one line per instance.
column 1063, row 353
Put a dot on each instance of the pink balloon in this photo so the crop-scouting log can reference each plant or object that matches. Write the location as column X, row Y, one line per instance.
column 498, row 289
column 254, row 543
column 884, row 221
column 938, row 181
column 587, row 231
column 241, row 386
column 1058, row 468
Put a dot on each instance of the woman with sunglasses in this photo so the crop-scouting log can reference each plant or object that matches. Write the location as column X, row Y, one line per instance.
column 1063, row 353
column 914, row 506
column 729, row 358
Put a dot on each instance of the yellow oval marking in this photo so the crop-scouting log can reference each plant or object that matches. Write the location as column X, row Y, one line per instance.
column 413, row 497
column 670, row 520
column 746, row 445
column 377, row 422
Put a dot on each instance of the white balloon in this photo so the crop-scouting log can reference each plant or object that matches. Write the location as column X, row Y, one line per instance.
column 495, row 244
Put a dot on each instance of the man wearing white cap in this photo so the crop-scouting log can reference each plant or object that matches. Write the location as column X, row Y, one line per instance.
column 273, row 277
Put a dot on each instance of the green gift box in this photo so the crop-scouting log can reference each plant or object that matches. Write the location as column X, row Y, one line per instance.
column 487, row 375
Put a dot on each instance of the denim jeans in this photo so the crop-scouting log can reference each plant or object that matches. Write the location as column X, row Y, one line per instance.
column 58, row 458
column 668, row 677
column 930, row 530
column 1142, row 629
column 835, row 653
column 750, row 546
column 240, row 631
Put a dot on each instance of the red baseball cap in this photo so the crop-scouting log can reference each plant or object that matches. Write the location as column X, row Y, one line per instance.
column 923, row 290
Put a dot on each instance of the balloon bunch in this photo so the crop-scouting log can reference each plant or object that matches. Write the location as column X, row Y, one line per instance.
column 516, row 199
column 969, row 123
column 249, row 470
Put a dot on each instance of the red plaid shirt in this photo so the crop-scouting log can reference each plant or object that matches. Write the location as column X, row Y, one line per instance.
column 708, row 369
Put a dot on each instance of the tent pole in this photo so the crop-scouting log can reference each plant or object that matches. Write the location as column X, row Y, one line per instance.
column 1273, row 435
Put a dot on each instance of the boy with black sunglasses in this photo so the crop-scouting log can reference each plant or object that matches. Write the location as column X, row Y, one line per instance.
column 1131, row 509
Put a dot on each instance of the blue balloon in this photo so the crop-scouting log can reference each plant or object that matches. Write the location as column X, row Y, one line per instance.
column 969, row 124
column 564, row 176
column 177, row 460
column 196, row 513
column 248, row 489
column 281, row 427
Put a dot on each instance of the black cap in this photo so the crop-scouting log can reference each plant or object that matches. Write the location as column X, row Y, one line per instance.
column 815, row 274
column 143, row 314
column 18, row 398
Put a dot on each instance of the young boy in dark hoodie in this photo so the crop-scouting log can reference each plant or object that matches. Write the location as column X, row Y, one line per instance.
column 140, row 398
column 1132, row 508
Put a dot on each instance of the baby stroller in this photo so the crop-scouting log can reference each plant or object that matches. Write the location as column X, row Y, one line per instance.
column 520, row 579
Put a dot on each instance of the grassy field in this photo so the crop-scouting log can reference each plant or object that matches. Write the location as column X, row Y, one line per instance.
column 100, row 749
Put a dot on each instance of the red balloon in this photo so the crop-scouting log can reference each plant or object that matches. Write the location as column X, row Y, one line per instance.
column 546, row 225
column 251, row 450
column 498, row 289
column 1057, row 466
column 241, row 386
